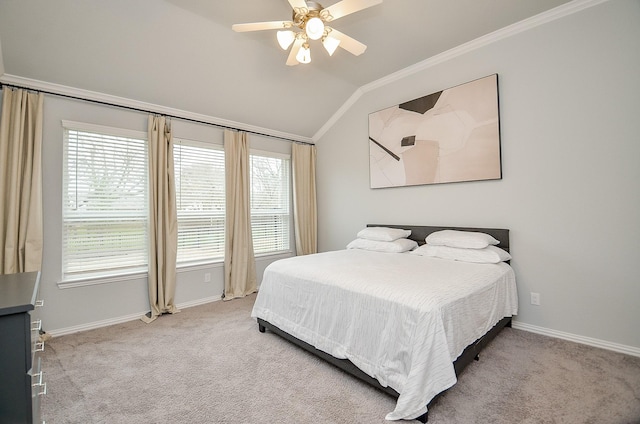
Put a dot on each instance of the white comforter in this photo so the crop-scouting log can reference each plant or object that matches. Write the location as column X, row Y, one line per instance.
column 401, row 318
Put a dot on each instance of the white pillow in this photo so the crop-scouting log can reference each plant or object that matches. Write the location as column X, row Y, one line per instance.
column 487, row 255
column 383, row 233
column 461, row 239
column 395, row 246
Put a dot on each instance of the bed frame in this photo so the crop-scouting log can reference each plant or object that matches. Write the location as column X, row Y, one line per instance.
column 471, row 353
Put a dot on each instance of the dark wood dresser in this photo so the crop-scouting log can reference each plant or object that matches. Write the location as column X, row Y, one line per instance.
column 21, row 383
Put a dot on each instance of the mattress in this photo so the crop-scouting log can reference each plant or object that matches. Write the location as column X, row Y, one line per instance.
column 401, row 318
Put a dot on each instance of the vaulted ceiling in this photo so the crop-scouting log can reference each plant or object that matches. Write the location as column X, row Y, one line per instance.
column 183, row 54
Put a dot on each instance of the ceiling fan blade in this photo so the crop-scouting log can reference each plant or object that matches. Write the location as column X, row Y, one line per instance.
column 298, row 3
column 260, row 26
column 346, row 7
column 351, row 45
column 291, row 60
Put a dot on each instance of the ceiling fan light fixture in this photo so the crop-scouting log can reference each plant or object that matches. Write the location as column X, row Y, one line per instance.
column 285, row 38
column 309, row 21
column 314, row 28
column 304, row 54
column 330, row 44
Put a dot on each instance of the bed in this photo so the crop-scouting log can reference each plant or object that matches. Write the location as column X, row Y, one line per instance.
column 394, row 320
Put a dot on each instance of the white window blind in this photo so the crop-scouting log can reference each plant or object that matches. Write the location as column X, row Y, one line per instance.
column 199, row 171
column 105, row 198
column 270, row 210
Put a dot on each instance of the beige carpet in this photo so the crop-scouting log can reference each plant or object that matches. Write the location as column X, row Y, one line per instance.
column 209, row 364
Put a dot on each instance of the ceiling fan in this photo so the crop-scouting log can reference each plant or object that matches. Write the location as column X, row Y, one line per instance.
column 310, row 22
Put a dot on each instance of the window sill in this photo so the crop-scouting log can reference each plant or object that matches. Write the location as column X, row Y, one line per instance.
column 100, row 279
column 108, row 279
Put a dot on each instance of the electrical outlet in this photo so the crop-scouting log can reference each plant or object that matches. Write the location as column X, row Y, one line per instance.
column 207, row 277
column 535, row 299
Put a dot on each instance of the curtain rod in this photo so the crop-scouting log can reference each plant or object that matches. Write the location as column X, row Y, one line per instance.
column 197, row 121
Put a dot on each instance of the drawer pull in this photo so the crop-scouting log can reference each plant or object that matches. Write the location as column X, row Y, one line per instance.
column 43, row 389
column 39, row 303
column 39, row 347
column 39, row 384
column 38, row 377
column 36, row 325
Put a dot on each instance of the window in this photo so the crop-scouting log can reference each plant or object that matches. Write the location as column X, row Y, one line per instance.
column 105, row 202
column 200, row 201
column 105, row 198
column 270, row 211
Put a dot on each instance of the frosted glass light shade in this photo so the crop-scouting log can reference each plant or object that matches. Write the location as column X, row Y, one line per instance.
column 285, row 38
column 314, row 28
column 330, row 44
column 304, row 54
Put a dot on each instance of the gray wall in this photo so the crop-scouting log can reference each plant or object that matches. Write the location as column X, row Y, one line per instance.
column 570, row 193
column 69, row 309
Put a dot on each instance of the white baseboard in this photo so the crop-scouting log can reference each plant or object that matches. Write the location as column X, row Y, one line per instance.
column 616, row 347
column 125, row 318
column 199, row 302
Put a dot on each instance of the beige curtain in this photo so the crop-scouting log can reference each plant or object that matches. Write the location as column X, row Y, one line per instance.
column 239, row 260
column 305, row 214
column 163, row 233
column 21, row 181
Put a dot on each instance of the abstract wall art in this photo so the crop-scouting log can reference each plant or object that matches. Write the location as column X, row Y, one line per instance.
column 452, row 135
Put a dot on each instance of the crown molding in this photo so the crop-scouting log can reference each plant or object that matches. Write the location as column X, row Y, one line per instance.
column 501, row 34
column 338, row 114
column 98, row 97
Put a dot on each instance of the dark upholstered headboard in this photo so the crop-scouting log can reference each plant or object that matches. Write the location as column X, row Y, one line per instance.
column 420, row 232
